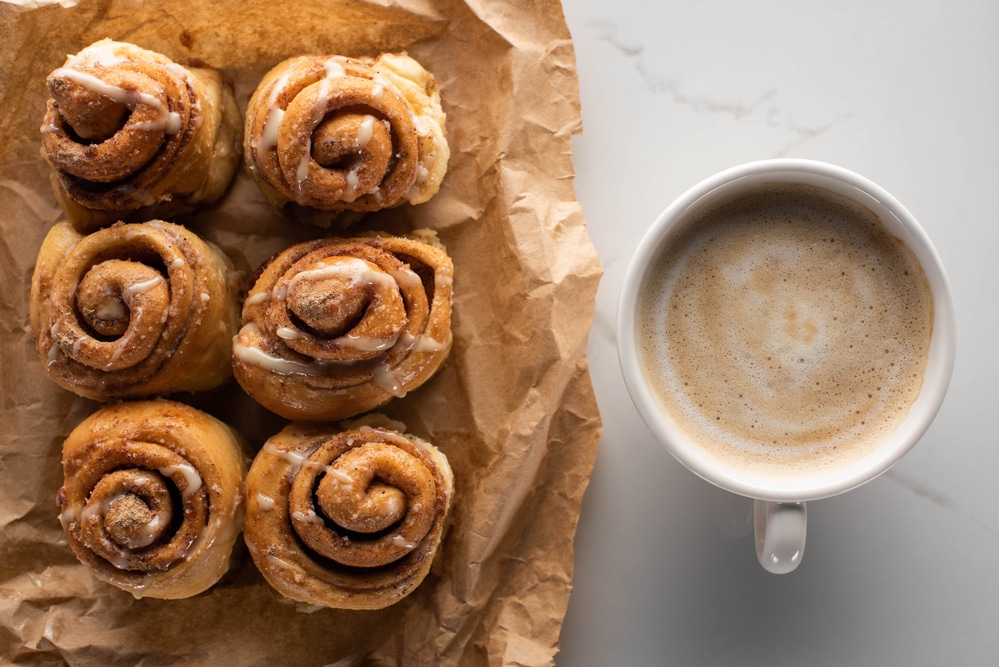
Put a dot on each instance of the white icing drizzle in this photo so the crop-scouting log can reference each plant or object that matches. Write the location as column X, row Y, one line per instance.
column 95, row 511
column 222, row 527
column 365, row 132
column 265, row 502
column 67, row 516
column 365, row 343
column 309, row 517
column 53, row 356
column 294, row 458
column 139, row 288
column 421, row 343
column 383, row 82
column 402, row 542
column 122, row 563
column 339, row 475
column 428, row 344
column 113, row 309
column 353, row 269
column 406, row 278
column 98, row 54
column 288, row 333
column 78, row 343
column 123, row 342
column 259, row 297
column 269, row 137
column 353, row 180
column 282, row 564
column 302, row 173
column 334, row 69
column 257, row 357
column 272, row 119
column 191, row 476
column 386, row 379
column 168, row 121
column 349, row 267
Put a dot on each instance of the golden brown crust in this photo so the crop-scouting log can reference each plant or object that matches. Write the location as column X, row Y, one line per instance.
column 346, row 518
column 336, row 327
column 133, row 310
column 152, row 497
column 131, row 135
column 344, row 134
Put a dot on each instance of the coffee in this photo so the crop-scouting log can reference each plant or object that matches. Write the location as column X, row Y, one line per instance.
column 785, row 330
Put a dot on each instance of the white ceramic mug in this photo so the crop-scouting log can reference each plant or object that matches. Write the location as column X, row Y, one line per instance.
column 780, row 511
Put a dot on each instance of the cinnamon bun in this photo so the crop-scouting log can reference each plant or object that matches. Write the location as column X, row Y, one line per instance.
column 347, row 518
column 133, row 310
column 131, row 135
column 335, row 327
column 152, row 498
column 347, row 134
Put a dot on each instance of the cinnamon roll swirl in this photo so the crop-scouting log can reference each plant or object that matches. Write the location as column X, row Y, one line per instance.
column 346, row 518
column 152, row 498
column 133, row 310
column 347, row 134
column 131, row 135
column 336, row 327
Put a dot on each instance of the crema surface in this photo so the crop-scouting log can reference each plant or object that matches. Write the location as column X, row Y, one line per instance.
column 786, row 330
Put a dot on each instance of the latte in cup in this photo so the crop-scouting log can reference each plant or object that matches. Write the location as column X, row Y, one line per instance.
column 785, row 330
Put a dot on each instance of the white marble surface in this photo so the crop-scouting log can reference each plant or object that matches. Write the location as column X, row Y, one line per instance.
column 904, row 571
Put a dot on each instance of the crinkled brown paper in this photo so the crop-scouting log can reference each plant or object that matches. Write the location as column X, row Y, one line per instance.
column 513, row 407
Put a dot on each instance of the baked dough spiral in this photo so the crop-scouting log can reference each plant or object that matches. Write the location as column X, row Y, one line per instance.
column 336, row 327
column 131, row 135
column 133, row 310
column 152, row 499
column 346, row 518
column 347, row 134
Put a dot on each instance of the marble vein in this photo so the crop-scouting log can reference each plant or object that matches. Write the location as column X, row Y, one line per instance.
column 921, row 490
column 765, row 105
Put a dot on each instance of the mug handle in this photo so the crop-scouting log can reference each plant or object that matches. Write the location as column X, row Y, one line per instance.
column 780, row 534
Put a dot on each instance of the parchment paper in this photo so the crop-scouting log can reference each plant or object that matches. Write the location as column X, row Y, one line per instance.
column 512, row 408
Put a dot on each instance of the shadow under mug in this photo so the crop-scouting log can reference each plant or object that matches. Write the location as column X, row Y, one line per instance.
column 780, row 510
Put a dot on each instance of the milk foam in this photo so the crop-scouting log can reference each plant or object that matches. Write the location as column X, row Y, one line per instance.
column 786, row 330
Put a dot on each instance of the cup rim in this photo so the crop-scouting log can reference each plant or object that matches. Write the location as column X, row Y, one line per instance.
column 810, row 486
